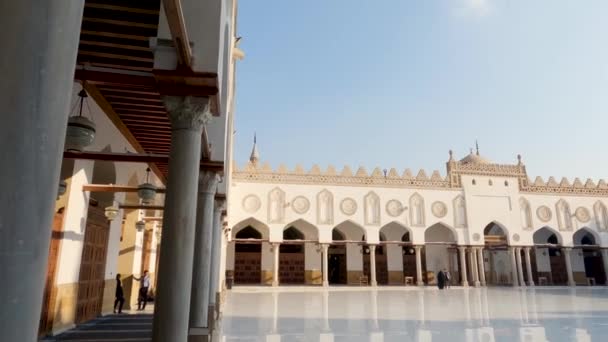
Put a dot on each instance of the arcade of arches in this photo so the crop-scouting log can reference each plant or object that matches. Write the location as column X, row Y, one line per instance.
column 301, row 259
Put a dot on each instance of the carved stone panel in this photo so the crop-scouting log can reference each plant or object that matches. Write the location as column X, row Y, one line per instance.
column 564, row 217
column 372, row 209
column 325, row 207
column 251, row 203
column 394, row 208
column 544, row 213
column 348, row 206
column 300, row 205
column 417, row 210
column 601, row 216
column 460, row 212
column 439, row 209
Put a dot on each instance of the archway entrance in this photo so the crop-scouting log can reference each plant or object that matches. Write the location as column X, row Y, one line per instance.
column 381, row 262
column 292, row 257
column 409, row 259
column 337, row 259
column 498, row 268
column 248, row 257
column 440, row 253
column 549, row 260
column 587, row 263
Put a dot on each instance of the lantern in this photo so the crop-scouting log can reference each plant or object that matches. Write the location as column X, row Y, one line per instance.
column 81, row 131
column 146, row 191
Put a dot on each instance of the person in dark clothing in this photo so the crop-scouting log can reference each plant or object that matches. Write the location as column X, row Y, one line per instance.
column 448, row 278
column 120, row 296
column 144, row 285
column 440, row 280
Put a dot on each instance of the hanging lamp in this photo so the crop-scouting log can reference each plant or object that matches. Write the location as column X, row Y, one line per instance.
column 147, row 191
column 111, row 212
column 140, row 225
column 62, row 188
column 81, row 131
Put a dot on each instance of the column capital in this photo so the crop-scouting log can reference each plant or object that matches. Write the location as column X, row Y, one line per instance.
column 187, row 112
column 219, row 204
column 418, row 248
column 462, row 248
column 207, row 182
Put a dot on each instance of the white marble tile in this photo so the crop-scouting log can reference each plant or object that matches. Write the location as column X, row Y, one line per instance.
column 412, row 314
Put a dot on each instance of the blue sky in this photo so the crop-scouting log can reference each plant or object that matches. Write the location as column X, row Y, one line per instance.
column 398, row 83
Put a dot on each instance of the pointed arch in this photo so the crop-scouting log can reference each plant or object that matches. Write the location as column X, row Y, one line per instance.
column 546, row 235
column 564, row 216
column 263, row 229
column 351, row 230
column 495, row 233
column 440, row 232
column 248, row 233
column 417, row 210
column 525, row 213
column 309, row 230
column 586, row 236
column 325, row 207
column 394, row 231
column 276, row 205
column 460, row 212
column 601, row 216
column 371, row 203
column 293, row 233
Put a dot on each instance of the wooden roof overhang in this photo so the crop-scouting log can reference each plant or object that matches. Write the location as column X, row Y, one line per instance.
column 115, row 64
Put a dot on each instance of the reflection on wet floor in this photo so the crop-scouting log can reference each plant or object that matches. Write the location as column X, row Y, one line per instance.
column 458, row 314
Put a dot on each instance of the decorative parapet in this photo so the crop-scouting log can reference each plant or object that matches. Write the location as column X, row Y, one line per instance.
column 564, row 187
column 456, row 169
column 378, row 177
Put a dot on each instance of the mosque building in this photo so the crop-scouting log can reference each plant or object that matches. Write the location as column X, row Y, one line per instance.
column 487, row 224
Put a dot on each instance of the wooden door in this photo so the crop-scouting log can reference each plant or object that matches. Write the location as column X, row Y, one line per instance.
column 409, row 267
column 558, row 269
column 146, row 251
column 291, row 268
column 48, row 299
column 92, row 266
column 247, row 267
column 381, row 268
column 337, row 264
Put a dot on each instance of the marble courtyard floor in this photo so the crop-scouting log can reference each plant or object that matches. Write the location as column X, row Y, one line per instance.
column 411, row 314
column 294, row 314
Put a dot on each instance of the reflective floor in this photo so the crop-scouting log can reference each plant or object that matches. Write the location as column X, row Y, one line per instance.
column 411, row 314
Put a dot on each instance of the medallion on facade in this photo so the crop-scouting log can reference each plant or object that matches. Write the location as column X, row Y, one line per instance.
column 544, row 213
column 348, row 206
column 476, row 237
column 439, row 209
column 394, row 208
column 251, row 203
column 300, row 205
column 582, row 214
column 516, row 237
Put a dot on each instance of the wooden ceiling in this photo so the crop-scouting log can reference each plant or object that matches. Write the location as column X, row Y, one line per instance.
column 115, row 35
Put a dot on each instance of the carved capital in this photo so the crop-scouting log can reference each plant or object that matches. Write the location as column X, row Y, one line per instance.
column 207, row 182
column 187, row 112
column 219, row 204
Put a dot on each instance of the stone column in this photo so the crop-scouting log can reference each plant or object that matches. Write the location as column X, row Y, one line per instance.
column 567, row 251
column 216, row 242
column 514, row 266
column 172, row 304
column 275, row 265
column 604, row 252
column 473, row 263
column 372, row 265
column 419, row 280
column 520, row 270
column 39, row 47
column 480, row 263
column 201, row 271
column 325, row 265
column 463, row 266
column 528, row 266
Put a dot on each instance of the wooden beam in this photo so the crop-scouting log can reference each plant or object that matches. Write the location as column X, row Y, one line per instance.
column 115, row 56
column 120, row 23
column 88, row 4
column 114, row 45
column 114, row 35
column 153, row 219
column 134, row 104
column 177, row 26
column 114, row 188
column 217, row 166
column 141, row 206
column 117, row 78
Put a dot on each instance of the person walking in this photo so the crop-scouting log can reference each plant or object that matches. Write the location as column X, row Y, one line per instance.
column 448, row 278
column 120, row 296
column 440, row 279
column 144, row 285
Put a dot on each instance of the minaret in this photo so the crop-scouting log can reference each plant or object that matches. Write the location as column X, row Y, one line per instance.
column 255, row 156
column 477, row 146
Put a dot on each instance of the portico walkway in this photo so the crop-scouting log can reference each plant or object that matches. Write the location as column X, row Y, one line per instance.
column 125, row 327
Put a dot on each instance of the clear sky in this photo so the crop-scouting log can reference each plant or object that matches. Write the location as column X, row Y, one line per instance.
column 398, row 83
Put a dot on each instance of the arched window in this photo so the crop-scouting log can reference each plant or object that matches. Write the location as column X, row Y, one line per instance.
column 460, row 213
column 417, row 210
column 276, row 206
column 525, row 213
column 601, row 215
column 325, row 207
column 372, row 209
column 564, row 218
